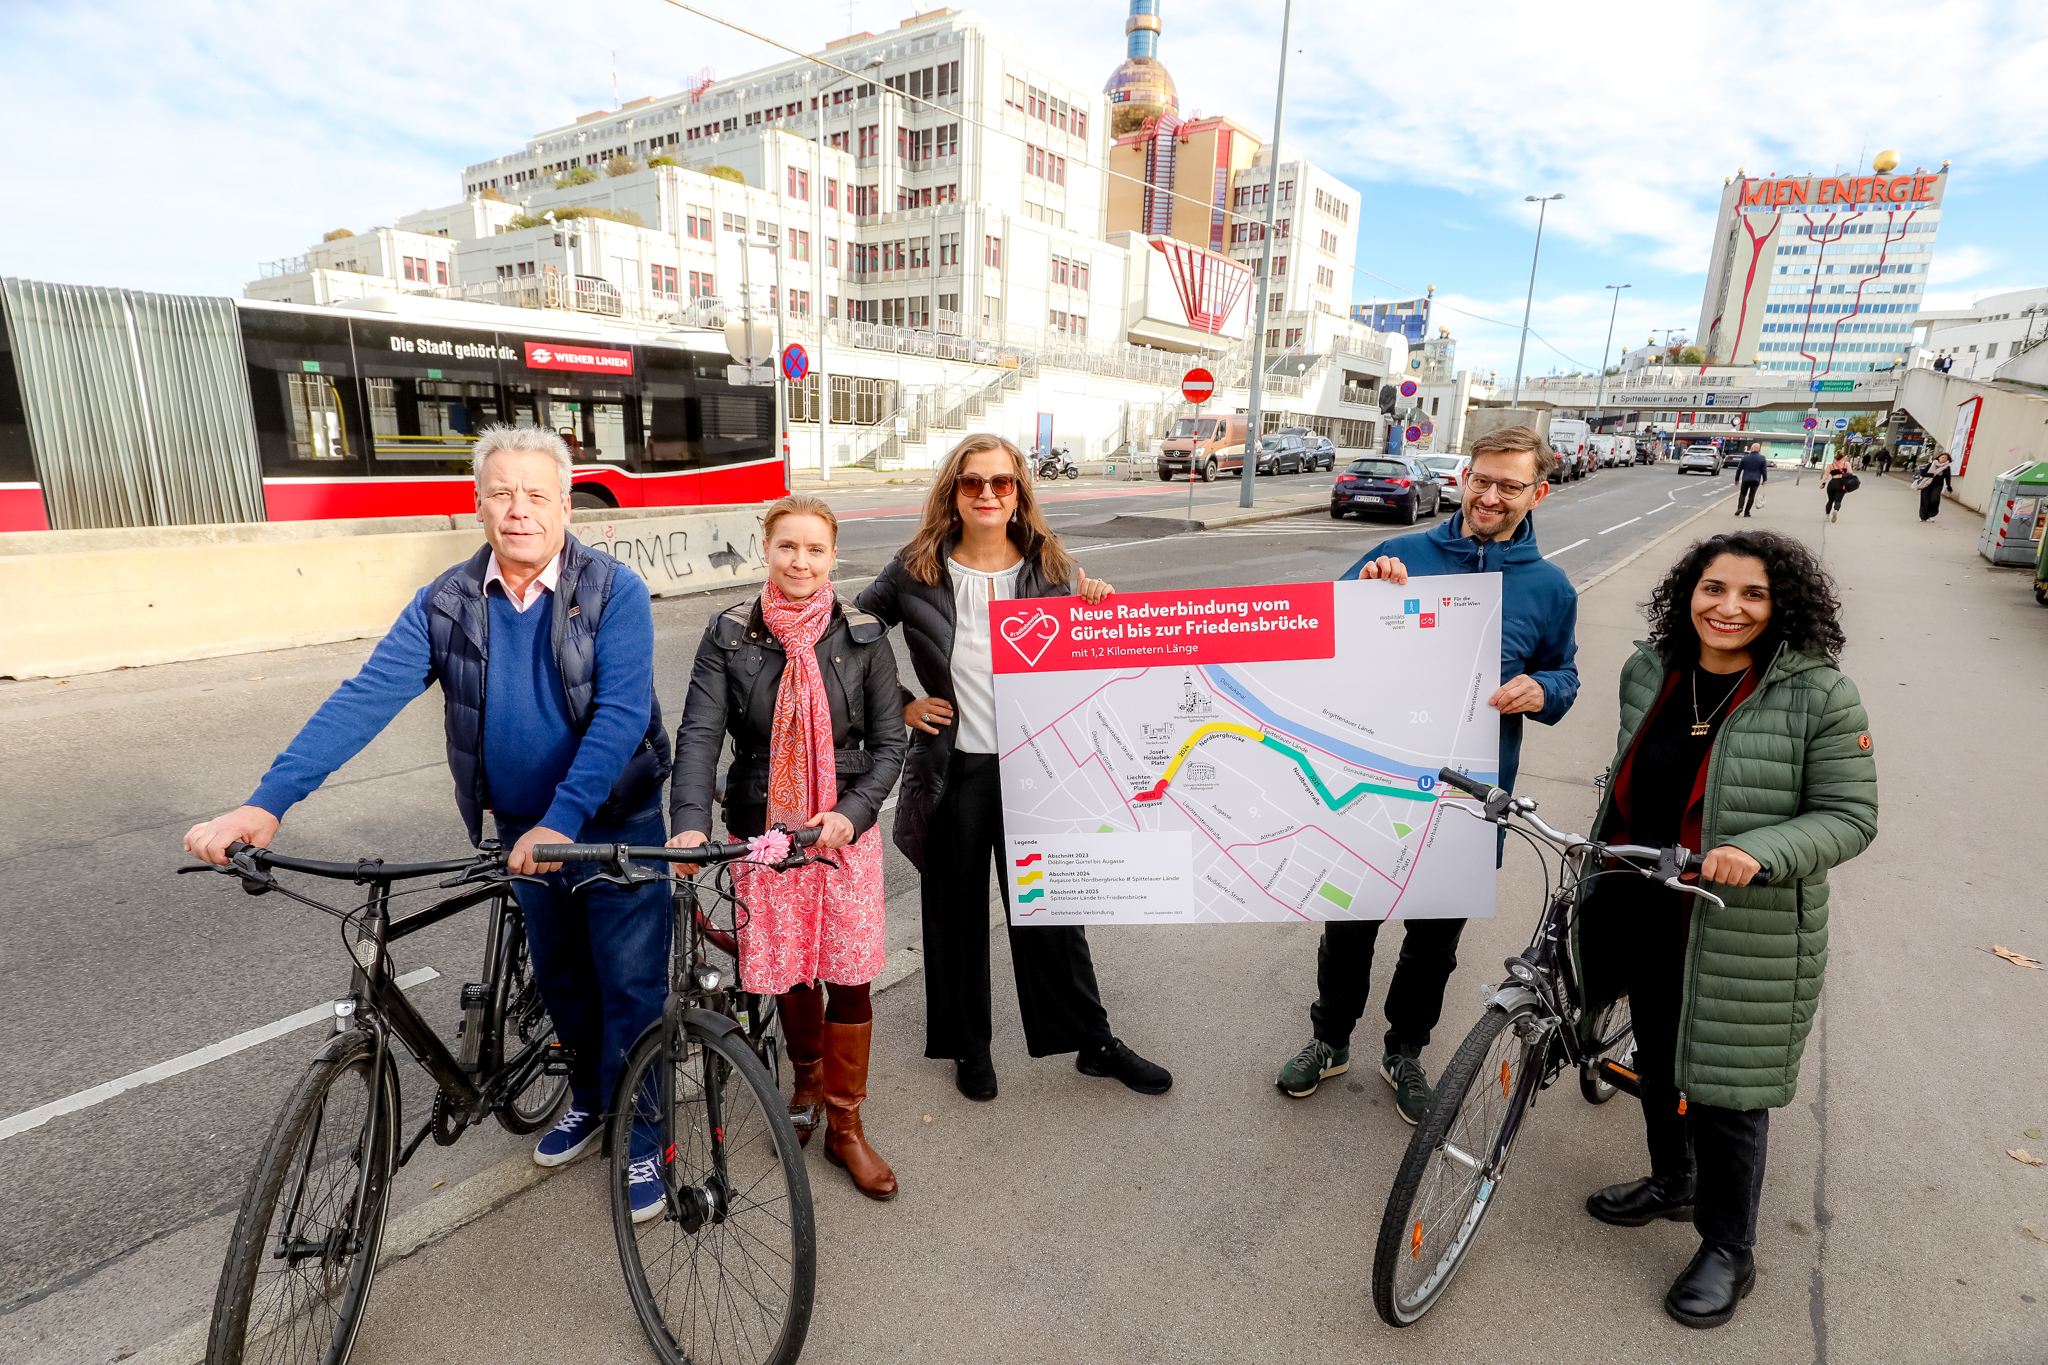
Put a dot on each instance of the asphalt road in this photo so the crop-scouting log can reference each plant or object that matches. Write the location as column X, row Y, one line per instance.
column 112, row 965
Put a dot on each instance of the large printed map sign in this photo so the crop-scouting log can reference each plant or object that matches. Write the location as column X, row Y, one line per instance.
column 1246, row 754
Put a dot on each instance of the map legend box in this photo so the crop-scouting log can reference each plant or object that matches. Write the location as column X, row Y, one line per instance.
column 1101, row 878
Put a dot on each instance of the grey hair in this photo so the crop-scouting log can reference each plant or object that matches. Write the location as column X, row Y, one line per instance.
column 540, row 440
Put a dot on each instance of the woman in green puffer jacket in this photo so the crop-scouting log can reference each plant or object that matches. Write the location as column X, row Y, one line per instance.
column 1741, row 737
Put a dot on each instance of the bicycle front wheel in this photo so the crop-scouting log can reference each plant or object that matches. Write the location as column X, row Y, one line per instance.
column 1454, row 1163
column 298, row 1269
column 726, row 1273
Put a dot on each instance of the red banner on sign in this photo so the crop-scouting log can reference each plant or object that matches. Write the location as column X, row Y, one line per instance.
column 565, row 355
column 1205, row 626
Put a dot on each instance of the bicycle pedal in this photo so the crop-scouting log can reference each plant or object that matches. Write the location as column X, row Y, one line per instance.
column 559, row 1061
column 1618, row 1076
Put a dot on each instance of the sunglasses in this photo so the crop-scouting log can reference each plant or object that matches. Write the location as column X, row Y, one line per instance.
column 1002, row 485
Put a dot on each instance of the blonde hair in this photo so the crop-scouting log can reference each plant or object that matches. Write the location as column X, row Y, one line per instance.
column 942, row 514
column 799, row 505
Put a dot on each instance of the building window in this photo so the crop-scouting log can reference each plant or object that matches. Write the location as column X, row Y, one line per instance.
column 525, row 268
column 832, row 193
column 440, row 272
column 920, row 312
column 799, row 245
column 947, row 80
column 701, row 286
column 663, row 280
column 1279, row 266
column 991, row 307
column 992, row 252
column 947, row 141
column 949, row 250
column 697, row 222
column 832, row 252
column 1293, row 337
column 920, row 252
column 799, row 184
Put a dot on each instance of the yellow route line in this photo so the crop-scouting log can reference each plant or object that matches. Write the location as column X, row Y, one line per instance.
column 1213, row 727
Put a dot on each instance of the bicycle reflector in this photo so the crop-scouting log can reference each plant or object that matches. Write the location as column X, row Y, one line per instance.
column 1415, row 1242
column 1503, row 1078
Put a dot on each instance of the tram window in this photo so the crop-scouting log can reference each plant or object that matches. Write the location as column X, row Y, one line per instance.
column 669, row 412
column 302, row 391
column 17, row 456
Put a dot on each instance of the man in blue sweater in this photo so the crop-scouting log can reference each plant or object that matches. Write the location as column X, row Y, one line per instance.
column 544, row 650
column 1492, row 533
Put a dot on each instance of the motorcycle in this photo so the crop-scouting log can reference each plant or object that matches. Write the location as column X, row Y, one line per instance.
column 1057, row 462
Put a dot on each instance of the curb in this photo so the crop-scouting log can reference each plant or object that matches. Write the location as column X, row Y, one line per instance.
column 1597, row 579
column 1258, row 514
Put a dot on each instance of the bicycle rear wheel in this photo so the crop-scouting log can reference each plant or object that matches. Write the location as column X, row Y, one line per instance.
column 732, row 1280
column 522, row 1020
column 1453, row 1166
column 1614, row 1037
column 298, row 1269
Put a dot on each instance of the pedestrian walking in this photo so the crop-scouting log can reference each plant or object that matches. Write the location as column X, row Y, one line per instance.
column 1740, row 735
column 807, row 689
column 544, row 651
column 983, row 539
column 1884, row 461
column 1751, row 473
column 1841, row 481
column 1932, row 483
column 1494, row 531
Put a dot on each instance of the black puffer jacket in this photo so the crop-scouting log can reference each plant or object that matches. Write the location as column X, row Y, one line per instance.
column 732, row 691
column 925, row 611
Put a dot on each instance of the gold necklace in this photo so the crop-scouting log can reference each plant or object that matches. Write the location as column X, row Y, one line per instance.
column 1701, row 727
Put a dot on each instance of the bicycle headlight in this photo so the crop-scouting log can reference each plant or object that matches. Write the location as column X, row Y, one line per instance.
column 706, row 976
column 1521, row 971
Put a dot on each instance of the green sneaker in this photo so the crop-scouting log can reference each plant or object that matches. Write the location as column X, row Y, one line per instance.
column 1308, row 1068
column 1411, row 1086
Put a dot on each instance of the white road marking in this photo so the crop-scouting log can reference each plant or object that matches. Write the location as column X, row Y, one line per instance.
column 1655, row 510
column 1618, row 525
column 162, row 1071
column 1573, row 546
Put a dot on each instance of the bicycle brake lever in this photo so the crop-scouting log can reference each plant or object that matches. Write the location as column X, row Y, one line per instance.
column 628, row 880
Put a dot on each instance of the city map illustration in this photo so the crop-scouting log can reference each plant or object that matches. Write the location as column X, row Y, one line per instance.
column 1248, row 755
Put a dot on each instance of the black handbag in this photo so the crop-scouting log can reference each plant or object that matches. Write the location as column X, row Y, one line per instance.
column 1850, row 483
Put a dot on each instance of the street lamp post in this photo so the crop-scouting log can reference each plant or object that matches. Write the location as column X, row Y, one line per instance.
column 1600, row 391
column 1542, row 203
column 1250, row 469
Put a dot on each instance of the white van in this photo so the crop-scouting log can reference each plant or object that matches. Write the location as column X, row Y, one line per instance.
column 1568, row 437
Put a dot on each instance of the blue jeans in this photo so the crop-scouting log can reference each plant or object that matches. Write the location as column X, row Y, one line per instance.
column 600, row 958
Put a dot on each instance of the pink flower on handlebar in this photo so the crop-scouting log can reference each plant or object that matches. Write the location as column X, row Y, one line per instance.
column 769, row 848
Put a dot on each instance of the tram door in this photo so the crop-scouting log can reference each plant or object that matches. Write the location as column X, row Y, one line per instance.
column 594, row 428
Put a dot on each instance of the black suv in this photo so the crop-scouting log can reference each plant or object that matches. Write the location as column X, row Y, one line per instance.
column 1321, row 450
column 1284, row 453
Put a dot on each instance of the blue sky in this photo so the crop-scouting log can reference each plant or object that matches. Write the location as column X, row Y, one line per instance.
column 175, row 147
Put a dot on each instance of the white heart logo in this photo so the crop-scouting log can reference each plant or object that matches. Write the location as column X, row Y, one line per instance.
column 1023, row 631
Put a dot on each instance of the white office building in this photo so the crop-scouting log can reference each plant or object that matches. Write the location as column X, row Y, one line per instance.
column 1978, row 339
column 1820, row 276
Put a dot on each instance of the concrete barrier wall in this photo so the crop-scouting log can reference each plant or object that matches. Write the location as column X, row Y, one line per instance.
column 89, row 610
column 2011, row 428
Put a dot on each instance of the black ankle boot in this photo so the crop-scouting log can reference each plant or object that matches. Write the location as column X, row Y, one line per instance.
column 975, row 1077
column 1643, row 1201
column 1719, row 1277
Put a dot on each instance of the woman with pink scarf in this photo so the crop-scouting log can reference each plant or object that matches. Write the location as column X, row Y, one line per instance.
column 806, row 686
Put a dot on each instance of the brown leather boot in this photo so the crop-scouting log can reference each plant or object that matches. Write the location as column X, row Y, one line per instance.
column 803, row 1030
column 846, row 1085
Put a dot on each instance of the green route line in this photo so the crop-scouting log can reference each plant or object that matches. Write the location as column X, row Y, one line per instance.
column 1339, row 802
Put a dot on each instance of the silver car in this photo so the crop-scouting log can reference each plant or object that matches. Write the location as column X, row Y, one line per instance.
column 1700, row 460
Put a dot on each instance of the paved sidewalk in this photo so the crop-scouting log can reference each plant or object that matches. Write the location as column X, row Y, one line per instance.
column 1071, row 1220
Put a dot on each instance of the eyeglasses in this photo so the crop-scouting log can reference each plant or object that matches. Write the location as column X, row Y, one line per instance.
column 1507, row 488
column 1002, row 485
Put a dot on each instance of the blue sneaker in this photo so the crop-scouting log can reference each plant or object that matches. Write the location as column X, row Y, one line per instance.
column 569, row 1138
column 643, row 1190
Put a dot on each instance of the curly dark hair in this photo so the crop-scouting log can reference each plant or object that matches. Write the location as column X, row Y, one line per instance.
column 1806, row 609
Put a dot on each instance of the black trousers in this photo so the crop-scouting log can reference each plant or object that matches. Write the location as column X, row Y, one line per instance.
column 1745, row 497
column 1722, row 1150
column 1415, row 999
column 1835, row 496
column 1056, row 990
column 1930, row 501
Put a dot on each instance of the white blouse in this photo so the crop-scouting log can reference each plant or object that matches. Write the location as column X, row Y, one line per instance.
column 973, row 662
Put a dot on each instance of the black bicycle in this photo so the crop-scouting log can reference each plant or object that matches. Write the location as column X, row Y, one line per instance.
column 1529, row 1035
column 305, row 1244
column 724, row 1266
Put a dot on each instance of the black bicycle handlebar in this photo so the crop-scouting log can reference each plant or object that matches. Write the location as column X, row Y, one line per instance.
column 367, row 870
column 702, row 853
column 1478, row 790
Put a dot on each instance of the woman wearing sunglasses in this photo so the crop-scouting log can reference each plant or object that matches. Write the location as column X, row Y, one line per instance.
column 983, row 539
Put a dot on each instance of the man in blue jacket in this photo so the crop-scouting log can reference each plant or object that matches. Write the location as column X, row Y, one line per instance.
column 1491, row 533
column 544, row 650
column 1751, row 472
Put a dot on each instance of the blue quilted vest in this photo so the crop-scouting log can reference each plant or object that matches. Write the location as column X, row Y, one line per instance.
column 458, row 626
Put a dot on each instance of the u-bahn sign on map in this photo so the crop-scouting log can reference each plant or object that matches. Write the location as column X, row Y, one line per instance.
column 1248, row 754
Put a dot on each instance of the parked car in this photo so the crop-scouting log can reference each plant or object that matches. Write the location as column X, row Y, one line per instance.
column 1731, row 455
column 1386, row 483
column 1282, row 453
column 1203, row 447
column 1322, row 450
column 1700, row 460
column 1449, row 472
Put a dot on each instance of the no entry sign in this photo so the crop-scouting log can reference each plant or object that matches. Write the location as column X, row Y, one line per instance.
column 1197, row 384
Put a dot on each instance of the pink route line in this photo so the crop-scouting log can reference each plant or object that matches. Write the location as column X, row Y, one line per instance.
column 1054, row 725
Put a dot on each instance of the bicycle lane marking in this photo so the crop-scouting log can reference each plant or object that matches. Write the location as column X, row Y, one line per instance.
column 191, row 1061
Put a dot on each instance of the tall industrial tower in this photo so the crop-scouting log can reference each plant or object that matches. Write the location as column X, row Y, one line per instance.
column 1140, row 87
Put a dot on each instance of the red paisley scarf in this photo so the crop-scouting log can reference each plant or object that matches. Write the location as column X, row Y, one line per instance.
column 803, row 778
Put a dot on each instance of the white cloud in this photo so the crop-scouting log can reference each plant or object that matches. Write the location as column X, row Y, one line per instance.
column 1952, row 263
